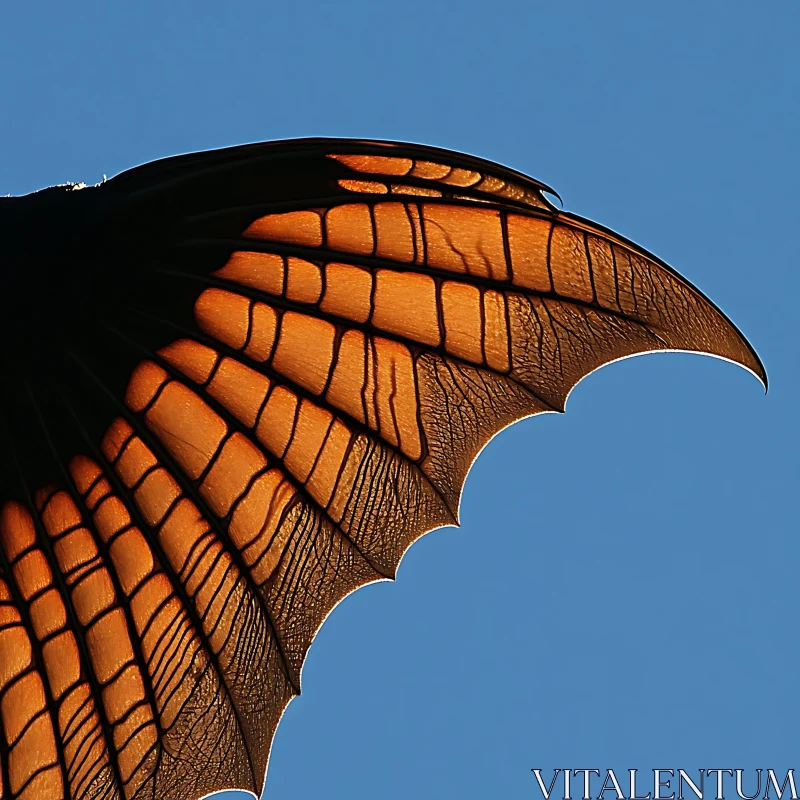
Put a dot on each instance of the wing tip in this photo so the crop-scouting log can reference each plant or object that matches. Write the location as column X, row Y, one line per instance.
column 757, row 369
column 731, row 346
column 741, row 353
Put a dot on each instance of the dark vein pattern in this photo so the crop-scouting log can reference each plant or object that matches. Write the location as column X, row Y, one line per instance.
column 310, row 344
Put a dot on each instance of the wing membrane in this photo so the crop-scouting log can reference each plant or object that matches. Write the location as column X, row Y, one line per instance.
column 315, row 341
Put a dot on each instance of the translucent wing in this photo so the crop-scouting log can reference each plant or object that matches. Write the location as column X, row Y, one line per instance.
column 275, row 368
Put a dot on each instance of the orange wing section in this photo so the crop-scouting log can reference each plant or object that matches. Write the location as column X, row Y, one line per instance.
column 349, row 360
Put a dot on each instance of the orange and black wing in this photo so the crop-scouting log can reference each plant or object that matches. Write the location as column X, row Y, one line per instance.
column 291, row 355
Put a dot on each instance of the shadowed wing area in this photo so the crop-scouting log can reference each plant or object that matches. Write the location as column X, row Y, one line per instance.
column 237, row 386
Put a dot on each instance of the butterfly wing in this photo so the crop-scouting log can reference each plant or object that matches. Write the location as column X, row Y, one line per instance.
column 305, row 349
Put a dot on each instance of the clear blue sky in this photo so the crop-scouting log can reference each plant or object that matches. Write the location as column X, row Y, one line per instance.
column 623, row 590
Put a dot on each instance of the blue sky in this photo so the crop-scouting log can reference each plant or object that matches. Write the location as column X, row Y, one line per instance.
column 622, row 592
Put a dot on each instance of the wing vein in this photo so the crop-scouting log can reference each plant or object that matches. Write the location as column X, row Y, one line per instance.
column 165, row 457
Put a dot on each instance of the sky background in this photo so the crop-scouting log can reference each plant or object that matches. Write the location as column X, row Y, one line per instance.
column 622, row 591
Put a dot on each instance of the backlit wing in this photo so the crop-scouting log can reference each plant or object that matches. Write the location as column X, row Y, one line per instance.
column 296, row 352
